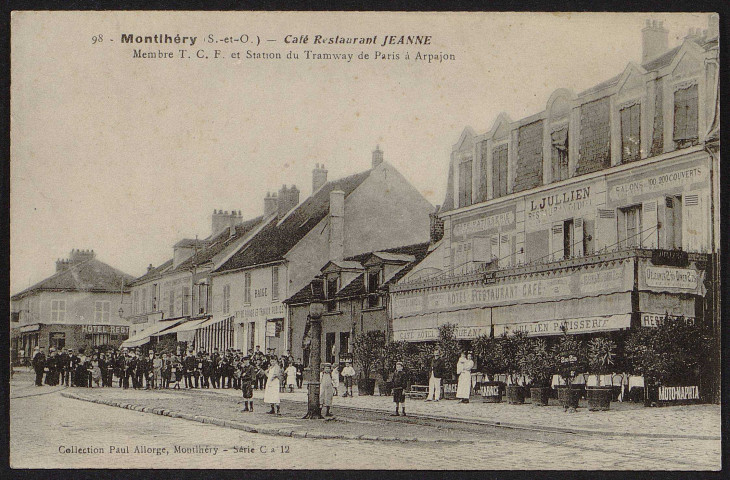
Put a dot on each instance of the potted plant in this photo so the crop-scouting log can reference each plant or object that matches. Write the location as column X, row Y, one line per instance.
column 450, row 350
column 367, row 351
column 600, row 362
column 539, row 364
column 513, row 350
column 668, row 355
column 570, row 360
column 487, row 351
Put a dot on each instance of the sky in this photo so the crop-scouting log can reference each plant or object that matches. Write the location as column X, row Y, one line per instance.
column 127, row 156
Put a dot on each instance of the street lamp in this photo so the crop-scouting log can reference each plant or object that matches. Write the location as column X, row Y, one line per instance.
column 316, row 309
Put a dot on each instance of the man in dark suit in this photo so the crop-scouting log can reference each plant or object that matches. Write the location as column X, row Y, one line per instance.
column 39, row 364
column 63, row 361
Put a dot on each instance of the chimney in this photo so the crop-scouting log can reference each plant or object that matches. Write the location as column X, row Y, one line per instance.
column 337, row 225
column 654, row 40
column 223, row 220
column 693, row 33
column 319, row 177
column 288, row 199
column 62, row 265
column 437, row 225
column 78, row 255
column 150, row 268
column 270, row 203
column 377, row 156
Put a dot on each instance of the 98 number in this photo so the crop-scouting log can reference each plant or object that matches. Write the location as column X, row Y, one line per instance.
column 97, row 39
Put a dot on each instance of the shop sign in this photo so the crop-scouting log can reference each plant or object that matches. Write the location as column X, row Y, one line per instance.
column 274, row 328
column 254, row 313
column 484, row 224
column 30, row 328
column 570, row 285
column 660, row 182
column 577, row 325
column 681, row 278
column 672, row 258
column 655, row 319
column 113, row 329
column 679, row 394
column 546, row 208
column 430, row 334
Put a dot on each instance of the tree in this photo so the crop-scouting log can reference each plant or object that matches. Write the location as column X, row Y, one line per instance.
column 571, row 357
column 514, row 348
column 489, row 354
column 368, row 349
column 601, row 357
column 539, row 363
column 449, row 346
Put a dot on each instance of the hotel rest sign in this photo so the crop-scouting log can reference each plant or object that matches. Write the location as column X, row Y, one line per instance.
column 113, row 329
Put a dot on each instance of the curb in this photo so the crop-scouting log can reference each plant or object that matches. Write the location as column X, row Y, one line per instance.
column 248, row 427
column 516, row 426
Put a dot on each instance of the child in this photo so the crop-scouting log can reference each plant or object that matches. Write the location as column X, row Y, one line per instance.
column 399, row 386
column 271, row 390
column 291, row 377
column 176, row 371
column 326, row 389
column 248, row 379
column 348, row 373
column 335, row 379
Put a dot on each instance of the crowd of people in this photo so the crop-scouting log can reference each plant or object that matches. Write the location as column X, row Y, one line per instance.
column 133, row 368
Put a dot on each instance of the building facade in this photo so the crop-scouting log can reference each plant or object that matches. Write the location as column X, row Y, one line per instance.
column 595, row 215
column 77, row 307
column 356, row 300
column 371, row 210
column 174, row 297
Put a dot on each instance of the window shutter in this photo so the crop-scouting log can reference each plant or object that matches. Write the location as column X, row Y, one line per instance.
column 693, row 220
column 605, row 230
column 557, row 245
column 577, row 247
column 505, row 251
column 650, row 233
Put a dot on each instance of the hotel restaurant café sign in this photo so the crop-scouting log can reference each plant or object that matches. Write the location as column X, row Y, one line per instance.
column 533, row 290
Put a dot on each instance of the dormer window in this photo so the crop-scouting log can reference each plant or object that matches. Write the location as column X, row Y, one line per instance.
column 374, row 280
column 332, row 285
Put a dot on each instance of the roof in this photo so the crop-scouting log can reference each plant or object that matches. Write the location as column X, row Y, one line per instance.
column 208, row 249
column 394, row 257
column 345, row 264
column 88, row 276
column 357, row 286
column 273, row 241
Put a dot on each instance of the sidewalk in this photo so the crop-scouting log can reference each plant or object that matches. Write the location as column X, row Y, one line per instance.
column 624, row 419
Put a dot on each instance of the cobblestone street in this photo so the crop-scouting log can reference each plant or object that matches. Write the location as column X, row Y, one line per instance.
column 44, row 424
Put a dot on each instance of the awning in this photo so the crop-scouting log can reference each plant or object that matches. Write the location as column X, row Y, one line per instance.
column 593, row 324
column 470, row 323
column 213, row 321
column 183, row 327
column 143, row 337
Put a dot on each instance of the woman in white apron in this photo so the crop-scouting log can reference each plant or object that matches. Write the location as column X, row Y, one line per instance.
column 463, row 369
column 273, row 382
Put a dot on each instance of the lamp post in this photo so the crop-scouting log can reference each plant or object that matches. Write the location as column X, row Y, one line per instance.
column 316, row 309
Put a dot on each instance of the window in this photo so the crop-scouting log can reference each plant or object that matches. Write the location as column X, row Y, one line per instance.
column 372, row 287
column 332, row 287
column 247, row 287
column 135, row 302
column 143, row 301
column 185, row 293
column 274, row 283
column 673, row 222
column 58, row 311
column 630, row 234
column 685, row 116
column 102, row 312
column 57, row 340
column 559, row 154
column 171, row 312
column 226, row 298
column 499, row 171
column 465, row 184
column 202, row 298
column 153, row 298
column 631, row 133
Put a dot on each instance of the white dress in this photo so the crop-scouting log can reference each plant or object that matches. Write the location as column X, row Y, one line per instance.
column 463, row 368
column 291, row 376
column 271, row 393
column 335, row 378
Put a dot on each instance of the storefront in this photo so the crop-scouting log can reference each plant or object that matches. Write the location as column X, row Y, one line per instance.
column 68, row 336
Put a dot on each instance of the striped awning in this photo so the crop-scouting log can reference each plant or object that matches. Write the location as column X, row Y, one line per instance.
column 183, row 327
column 140, row 338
